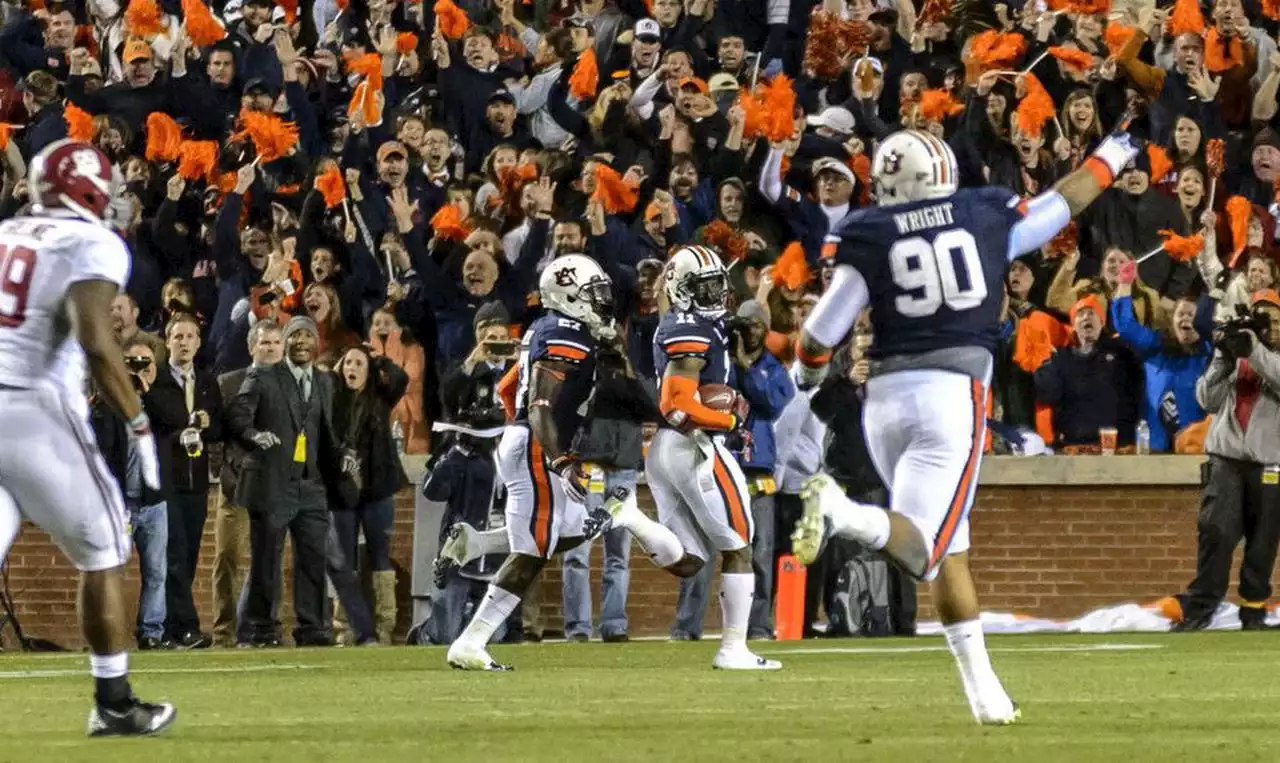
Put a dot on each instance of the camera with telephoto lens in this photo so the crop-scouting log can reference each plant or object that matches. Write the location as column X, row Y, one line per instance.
column 1233, row 336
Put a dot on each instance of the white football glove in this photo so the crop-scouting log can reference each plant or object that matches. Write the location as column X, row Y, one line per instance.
column 145, row 443
column 1116, row 151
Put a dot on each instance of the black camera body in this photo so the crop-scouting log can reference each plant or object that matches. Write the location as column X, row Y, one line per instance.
column 1233, row 336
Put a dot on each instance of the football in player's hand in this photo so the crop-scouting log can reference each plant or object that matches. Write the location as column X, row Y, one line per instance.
column 718, row 397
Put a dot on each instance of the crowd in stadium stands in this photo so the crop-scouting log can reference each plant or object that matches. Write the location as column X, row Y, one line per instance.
column 402, row 171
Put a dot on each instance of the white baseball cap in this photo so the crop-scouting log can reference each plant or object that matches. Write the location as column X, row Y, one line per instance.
column 835, row 118
column 827, row 164
column 647, row 28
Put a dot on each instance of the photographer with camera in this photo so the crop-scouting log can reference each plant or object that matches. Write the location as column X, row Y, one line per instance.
column 473, row 383
column 185, row 407
column 148, row 519
column 1241, row 479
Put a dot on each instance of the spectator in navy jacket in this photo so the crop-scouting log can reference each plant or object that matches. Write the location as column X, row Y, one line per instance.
column 1173, row 360
column 1091, row 384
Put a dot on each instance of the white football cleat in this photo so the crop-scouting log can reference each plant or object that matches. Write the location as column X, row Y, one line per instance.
column 743, row 659
column 810, row 536
column 1005, row 717
column 464, row 656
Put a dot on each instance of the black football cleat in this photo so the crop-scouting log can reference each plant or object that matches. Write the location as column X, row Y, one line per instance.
column 136, row 719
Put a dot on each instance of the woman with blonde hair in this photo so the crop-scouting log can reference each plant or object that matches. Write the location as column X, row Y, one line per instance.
column 1066, row 290
column 325, row 308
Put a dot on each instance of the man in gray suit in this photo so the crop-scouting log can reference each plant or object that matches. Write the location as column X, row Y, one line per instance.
column 284, row 416
column 231, row 521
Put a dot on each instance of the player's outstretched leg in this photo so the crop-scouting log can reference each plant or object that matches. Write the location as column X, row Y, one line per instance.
column 737, row 588
column 102, row 613
column 662, row 545
column 956, row 601
column 468, row 651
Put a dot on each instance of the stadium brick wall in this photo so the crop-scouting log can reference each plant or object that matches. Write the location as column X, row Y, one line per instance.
column 1051, row 551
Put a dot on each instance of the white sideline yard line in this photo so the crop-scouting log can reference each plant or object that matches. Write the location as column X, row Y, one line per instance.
column 21, row 674
column 919, row 649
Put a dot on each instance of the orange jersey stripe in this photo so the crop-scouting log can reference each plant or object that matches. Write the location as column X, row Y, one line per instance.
column 566, row 352
column 542, row 497
column 732, row 500
column 698, row 347
column 967, row 478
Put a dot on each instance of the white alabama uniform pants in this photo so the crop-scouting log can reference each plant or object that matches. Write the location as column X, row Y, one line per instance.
column 538, row 511
column 50, row 465
column 700, row 491
column 925, row 430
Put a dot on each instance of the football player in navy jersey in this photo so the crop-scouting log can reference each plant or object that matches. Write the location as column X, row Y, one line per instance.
column 545, row 483
column 929, row 261
column 696, row 483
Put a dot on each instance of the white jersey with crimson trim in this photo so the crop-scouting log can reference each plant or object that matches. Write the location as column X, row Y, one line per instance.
column 40, row 258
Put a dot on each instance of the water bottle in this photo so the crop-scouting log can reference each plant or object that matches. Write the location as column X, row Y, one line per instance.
column 1142, row 439
column 397, row 435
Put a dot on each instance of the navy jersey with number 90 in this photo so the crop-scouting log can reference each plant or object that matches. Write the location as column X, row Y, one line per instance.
column 935, row 269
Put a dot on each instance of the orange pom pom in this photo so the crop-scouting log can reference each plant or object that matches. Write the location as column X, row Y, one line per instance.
column 164, row 137
column 1073, row 58
column 364, row 98
column 1117, row 36
column 792, row 270
column 79, row 123
column 996, row 50
column 613, row 192
column 830, row 41
column 937, row 105
column 1186, row 18
column 1215, row 156
column 731, row 245
column 5, row 131
column 1161, row 164
column 1065, row 242
column 143, row 19
column 1222, row 54
column 452, row 19
column 1182, row 248
column 406, row 42
column 861, row 166
column 197, row 159
column 331, row 186
column 272, row 137
column 203, row 29
column 290, row 8
column 1239, row 211
column 934, row 11
column 1087, row 7
column 448, row 225
column 778, row 108
column 586, row 76
column 1035, row 108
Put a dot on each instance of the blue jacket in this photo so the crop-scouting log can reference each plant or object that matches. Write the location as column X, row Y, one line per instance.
column 1167, row 373
column 768, row 388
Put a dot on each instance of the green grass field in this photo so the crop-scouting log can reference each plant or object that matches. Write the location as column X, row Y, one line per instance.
column 1121, row 697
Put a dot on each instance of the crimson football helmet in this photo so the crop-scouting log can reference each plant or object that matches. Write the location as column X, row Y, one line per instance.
column 76, row 177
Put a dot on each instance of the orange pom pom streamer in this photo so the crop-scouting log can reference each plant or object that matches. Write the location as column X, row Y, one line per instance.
column 585, row 77
column 996, row 50
column 617, row 196
column 143, row 19
column 1035, row 108
column 452, row 19
column 1117, row 36
column 1073, row 58
column 1182, row 248
column 934, row 11
column 937, row 105
column 770, row 112
column 406, row 42
column 197, row 159
column 272, row 137
column 1221, row 55
column 164, row 137
column 6, row 130
column 331, row 186
column 861, row 166
column 792, row 270
column 79, row 123
column 1065, row 242
column 830, row 41
column 448, row 225
column 1087, row 7
column 1161, row 164
column 732, row 246
column 1186, row 18
column 203, row 29
column 290, row 8
column 364, row 99
column 1239, row 210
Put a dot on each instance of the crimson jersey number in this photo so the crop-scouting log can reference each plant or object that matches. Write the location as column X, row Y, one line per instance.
column 17, row 267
